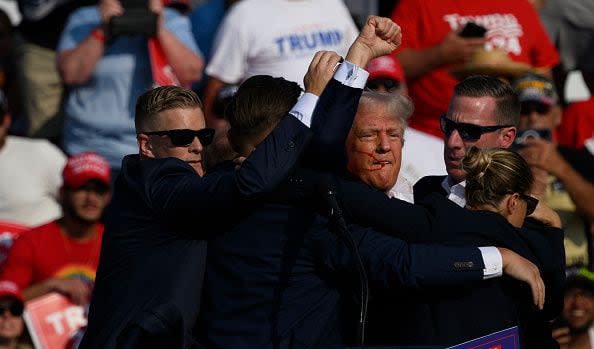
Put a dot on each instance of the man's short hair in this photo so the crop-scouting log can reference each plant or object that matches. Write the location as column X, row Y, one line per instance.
column 259, row 104
column 397, row 105
column 159, row 99
column 508, row 106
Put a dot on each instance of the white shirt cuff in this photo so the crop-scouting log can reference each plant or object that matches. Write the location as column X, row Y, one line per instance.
column 304, row 108
column 351, row 75
column 493, row 262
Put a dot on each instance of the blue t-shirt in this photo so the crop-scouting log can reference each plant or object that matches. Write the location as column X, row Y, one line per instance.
column 205, row 21
column 100, row 113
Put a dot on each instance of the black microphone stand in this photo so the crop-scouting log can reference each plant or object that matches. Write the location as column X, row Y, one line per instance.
column 344, row 234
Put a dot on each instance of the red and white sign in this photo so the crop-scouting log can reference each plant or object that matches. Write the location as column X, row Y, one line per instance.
column 162, row 72
column 52, row 320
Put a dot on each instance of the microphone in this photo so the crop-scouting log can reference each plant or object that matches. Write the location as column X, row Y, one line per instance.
column 328, row 190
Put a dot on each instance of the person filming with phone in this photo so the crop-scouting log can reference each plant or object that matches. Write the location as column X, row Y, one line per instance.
column 105, row 60
column 563, row 177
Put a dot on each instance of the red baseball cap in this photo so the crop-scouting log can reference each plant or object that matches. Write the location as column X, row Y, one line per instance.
column 387, row 67
column 10, row 289
column 84, row 167
column 181, row 4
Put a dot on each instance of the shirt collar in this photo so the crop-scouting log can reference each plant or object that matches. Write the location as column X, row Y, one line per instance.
column 455, row 193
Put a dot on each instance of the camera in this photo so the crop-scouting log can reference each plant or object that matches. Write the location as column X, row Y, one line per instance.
column 136, row 20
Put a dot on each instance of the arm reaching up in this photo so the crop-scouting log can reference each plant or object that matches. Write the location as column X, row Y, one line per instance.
column 379, row 36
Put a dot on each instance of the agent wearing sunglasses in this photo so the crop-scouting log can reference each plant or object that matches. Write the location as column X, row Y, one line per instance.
column 498, row 183
column 11, row 316
column 565, row 176
column 166, row 207
column 483, row 112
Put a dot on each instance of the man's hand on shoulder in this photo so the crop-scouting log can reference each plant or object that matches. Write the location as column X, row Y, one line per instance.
column 379, row 36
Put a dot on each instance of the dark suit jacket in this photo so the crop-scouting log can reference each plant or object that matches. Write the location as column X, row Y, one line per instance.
column 441, row 317
column 428, row 185
column 275, row 280
column 148, row 284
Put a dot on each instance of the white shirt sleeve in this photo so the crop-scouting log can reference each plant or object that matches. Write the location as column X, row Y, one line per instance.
column 351, row 75
column 493, row 262
column 347, row 74
column 304, row 108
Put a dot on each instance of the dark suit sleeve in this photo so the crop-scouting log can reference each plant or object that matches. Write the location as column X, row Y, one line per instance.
column 331, row 122
column 547, row 245
column 391, row 262
column 174, row 191
column 368, row 206
column 427, row 185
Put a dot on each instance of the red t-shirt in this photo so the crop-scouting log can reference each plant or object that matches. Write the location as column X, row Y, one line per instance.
column 46, row 251
column 577, row 124
column 513, row 25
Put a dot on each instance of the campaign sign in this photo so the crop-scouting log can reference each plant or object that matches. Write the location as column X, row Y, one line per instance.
column 505, row 339
column 52, row 320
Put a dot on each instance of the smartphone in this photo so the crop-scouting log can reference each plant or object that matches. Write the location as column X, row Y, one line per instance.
column 473, row 30
column 531, row 133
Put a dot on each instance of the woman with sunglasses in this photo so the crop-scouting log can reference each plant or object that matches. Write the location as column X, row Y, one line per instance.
column 11, row 317
column 497, row 188
column 499, row 181
column 498, row 184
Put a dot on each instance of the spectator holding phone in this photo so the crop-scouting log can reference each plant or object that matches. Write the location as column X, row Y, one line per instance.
column 574, row 329
column 564, row 177
column 106, row 73
column 435, row 41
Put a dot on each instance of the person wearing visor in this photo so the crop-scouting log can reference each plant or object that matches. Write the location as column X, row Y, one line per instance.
column 62, row 255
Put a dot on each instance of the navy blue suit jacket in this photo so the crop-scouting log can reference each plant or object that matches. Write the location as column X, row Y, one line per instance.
column 275, row 280
column 150, row 275
column 445, row 317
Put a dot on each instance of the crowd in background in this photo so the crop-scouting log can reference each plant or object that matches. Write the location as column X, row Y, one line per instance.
column 71, row 73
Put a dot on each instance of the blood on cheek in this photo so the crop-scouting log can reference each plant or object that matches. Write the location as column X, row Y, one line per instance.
column 373, row 167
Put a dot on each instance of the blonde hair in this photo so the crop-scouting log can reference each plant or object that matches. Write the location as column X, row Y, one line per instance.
column 492, row 174
column 154, row 101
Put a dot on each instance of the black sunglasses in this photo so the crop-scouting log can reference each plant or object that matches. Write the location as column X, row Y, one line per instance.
column 531, row 203
column 388, row 84
column 468, row 132
column 185, row 137
column 15, row 308
column 526, row 108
